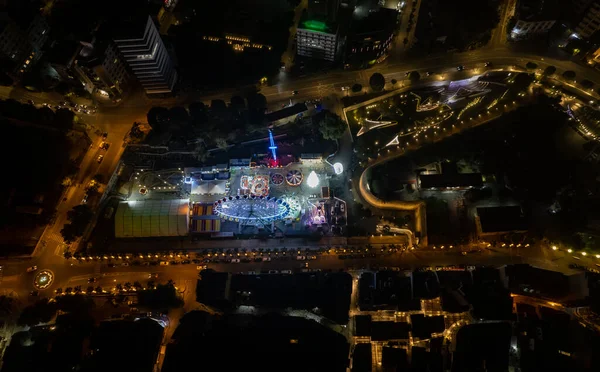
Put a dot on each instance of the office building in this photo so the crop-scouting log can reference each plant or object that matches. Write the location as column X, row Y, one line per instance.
column 317, row 39
column 534, row 17
column 370, row 38
column 21, row 47
column 101, row 69
column 139, row 43
column 590, row 22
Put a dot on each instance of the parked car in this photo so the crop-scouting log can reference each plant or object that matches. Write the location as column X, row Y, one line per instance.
column 31, row 269
column 164, row 263
column 235, row 260
column 286, row 271
column 201, row 267
column 100, row 158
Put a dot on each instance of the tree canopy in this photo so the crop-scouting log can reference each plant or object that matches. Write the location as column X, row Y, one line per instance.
column 550, row 70
column 356, row 88
column 331, row 126
column 163, row 297
column 79, row 217
column 569, row 75
column 414, row 76
column 587, row 84
column 531, row 65
column 377, row 82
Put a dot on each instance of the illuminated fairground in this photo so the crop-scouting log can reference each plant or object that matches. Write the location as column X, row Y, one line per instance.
column 276, row 199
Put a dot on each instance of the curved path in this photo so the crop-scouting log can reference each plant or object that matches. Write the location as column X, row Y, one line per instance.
column 415, row 207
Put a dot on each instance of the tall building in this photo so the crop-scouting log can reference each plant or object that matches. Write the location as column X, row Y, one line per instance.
column 317, row 39
column 101, row 69
column 590, row 22
column 22, row 47
column 325, row 10
column 370, row 38
column 534, row 17
column 143, row 50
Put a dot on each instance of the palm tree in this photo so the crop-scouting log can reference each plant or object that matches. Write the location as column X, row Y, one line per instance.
column 68, row 290
column 151, row 284
column 127, row 286
column 98, row 289
column 137, row 285
column 90, row 289
column 119, row 287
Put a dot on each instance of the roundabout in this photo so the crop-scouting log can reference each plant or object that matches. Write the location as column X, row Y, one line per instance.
column 252, row 210
column 43, row 279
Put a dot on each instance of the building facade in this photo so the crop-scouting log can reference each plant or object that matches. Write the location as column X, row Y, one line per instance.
column 317, row 39
column 590, row 22
column 370, row 39
column 145, row 54
column 534, row 17
column 102, row 70
column 21, row 48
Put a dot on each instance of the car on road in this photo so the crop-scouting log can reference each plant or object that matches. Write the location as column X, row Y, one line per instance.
column 235, row 260
column 125, row 264
column 85, row 198
column 460, row 68
column 152, row 276
column 34, row 293
column 342, row 207
column 345, row 88
column 92, row 280
column 102, row 145
column 488, row 64
column 31, row 269
column 201, row 267
column 428, row 73
column 104, row 135
column 266, row 259
column 164, row 263
column 100, row 158
column 30, row 102
column 294, row 93
column 301, row 258
column 286, row 271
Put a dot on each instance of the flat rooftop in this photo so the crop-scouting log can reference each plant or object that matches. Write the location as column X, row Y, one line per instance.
column 499, row 219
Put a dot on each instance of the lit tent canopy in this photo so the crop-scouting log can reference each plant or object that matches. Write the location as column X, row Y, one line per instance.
column 147, row 218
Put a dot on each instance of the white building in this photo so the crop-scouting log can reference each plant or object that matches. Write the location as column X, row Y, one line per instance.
column 534, row 17
column 144, row 52
column 317, row 39
column 590, row 22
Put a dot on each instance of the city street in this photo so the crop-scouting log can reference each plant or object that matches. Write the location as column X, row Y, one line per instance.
column 116, row 121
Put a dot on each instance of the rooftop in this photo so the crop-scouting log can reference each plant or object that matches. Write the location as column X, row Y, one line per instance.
column 310, row 24
column 298, row 108
column 499, row 219
column 382, row 20
column 450, row 180
column 538, row 10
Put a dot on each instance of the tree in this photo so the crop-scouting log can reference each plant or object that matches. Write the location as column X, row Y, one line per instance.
column 377, row 82
column 550, row 70
column 237, row 104
column 531, row 66
column 331, row 126
column 198, row 112
column 221, row 143
column 522, row 82
column 158, row 118
column 63, row 119
column 218, row 105
column 414, row 76
column 40, row 312
column 405, row 41
column 394, row 81
column 569, row 75
column 163, row 297
column 79, row 217
column 356, row 88
column 257, row 101
column 179, row 115
column 587, row 84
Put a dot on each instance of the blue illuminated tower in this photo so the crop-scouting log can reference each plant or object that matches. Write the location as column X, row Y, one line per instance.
column 272, row 147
